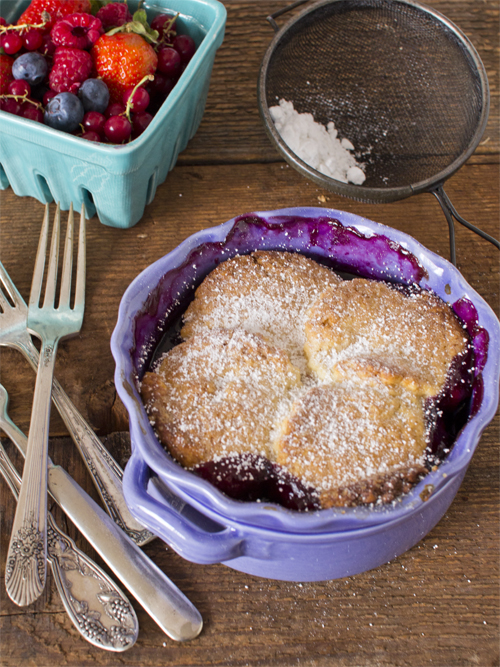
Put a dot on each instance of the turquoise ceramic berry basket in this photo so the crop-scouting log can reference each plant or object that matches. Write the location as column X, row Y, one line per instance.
column 114, row 182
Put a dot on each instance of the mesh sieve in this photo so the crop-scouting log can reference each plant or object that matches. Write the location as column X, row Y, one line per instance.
column 398, row 79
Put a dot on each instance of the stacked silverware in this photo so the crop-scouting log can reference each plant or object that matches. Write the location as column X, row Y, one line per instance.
column 97, row 607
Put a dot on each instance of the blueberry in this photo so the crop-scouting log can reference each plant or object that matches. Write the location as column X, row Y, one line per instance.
column 31, row 66
column 64, row 112
column 94, row 95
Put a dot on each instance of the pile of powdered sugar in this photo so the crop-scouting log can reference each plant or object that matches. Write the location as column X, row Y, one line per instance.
column 317, row 145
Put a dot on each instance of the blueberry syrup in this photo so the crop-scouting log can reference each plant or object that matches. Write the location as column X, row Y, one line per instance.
column 157, row 327
column 249, row 477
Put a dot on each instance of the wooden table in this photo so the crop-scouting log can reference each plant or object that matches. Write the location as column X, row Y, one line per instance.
column 438, row 604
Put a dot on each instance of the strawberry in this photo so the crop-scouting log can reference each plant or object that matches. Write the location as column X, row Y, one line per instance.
column 56, row 8
column 6, row 77
column 122, row 60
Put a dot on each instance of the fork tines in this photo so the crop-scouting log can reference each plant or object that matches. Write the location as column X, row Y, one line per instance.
column 50, row 287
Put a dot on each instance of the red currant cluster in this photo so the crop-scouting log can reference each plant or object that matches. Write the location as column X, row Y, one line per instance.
column 18, row 101
column 12, row 41
column 56, row 83
column 120, row 121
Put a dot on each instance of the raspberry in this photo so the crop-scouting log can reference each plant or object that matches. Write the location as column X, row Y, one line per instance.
column 79, row 31
column 70, row 69
column 114, row 15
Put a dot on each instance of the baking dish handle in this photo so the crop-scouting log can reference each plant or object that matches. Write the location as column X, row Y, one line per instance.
column 191, row 534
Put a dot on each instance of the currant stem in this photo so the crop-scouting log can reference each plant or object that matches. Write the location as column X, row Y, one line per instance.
column 128, row 108
column 25, row 26
column 22, row 98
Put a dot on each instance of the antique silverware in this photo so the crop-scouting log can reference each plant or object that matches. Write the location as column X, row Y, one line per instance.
column 27, row 554
column 160, row 598
column 105, row 471
column 97, row 607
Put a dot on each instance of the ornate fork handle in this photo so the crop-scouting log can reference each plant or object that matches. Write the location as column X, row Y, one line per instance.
column 26, row 558
column 98, row 609
column 106, row 473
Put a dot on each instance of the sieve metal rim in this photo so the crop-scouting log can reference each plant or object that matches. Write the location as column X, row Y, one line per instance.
column 360, row 192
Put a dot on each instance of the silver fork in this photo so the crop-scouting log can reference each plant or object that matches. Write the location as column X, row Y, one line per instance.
column 159, row 596
column 27, row 555
column 97, row 607
column 103, row 468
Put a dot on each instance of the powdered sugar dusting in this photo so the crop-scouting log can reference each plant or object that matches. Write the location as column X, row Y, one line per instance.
column 221, row 393
column 262, row 293
column 318, row 146
column 374, row 330
column 339, row 434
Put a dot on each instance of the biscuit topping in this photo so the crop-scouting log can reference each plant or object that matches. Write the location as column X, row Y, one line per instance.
column 267, row 293
column 298, row 387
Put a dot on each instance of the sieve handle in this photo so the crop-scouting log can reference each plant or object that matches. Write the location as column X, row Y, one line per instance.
column 450, row 212
column 271, row 18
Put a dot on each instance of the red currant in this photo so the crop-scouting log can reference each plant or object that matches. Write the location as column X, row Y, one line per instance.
column 160, row 23
column 161, row 85
column 139, row 101
column 11, row 43
column 10, row 105
column 169, row 61
column 114, row 109
column 118, row 129
column 90, row 135
column 19, row 87
column 31, row 112
column 33, row 39
column 140, row 122
column 93, row 121
column 48, row 47
column 47, row 96
column 186, row 47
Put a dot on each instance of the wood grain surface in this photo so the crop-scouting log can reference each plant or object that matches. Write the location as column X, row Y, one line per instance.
column 437, row 604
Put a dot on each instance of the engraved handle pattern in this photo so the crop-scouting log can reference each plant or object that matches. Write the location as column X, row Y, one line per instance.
column 27, row 555
column 95, row 605
column 105, row 471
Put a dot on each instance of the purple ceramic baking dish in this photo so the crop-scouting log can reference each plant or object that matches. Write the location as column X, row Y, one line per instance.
column 200, row 522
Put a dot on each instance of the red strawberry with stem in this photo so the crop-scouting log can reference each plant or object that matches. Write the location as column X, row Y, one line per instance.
column 56, row 8
column 123, row 57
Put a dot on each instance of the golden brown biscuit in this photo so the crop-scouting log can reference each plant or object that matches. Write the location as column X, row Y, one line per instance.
column 353, row 443
column 267, row 292
column 218, row 394
column 372, row 330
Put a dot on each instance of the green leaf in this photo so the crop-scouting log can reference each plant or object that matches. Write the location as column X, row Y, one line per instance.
column 139, row 25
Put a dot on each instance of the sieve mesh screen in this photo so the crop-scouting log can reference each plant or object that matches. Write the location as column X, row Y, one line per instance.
column 395, row 80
